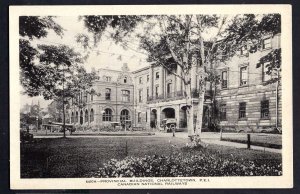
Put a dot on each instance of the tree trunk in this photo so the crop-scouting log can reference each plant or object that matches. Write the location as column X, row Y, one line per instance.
column 200, row 113
column 189, row 110
column 202, row 87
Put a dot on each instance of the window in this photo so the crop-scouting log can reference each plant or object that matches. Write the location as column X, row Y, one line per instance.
column 92, row 97
column 86, row 116
column 266, row 74
column 124, row 115
column 125, row 80
column 264, row 109
column 140, row 95
column 244, row 50
column 81, row 118
column 107, row 78
column 266, row 43
column 147, row 78
column 243, row 76
column 157, row 75
column 139, row 117
column 140, row 80
column 72, row 117
column 107, row 94
column 92, row 115
column 125, row 95
column 242, row 110
column 223, row 112
column 224, row 79
column 147, row 92
column 76, row 118
column 146, row 116
column 85, row 97
column 107, row 115
column 156, row 91
column 169, row 89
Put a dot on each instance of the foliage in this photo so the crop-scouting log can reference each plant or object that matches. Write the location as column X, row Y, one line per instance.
column 37, row 27
column 273, row 58
column 43, row 67
column 203, row 164
column 248, row 29
column 195, row 143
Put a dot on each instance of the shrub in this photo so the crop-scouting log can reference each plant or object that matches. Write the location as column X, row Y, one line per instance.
column 185, row 165
column 78, row 127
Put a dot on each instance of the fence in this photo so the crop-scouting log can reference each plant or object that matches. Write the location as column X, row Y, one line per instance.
column 257, row 139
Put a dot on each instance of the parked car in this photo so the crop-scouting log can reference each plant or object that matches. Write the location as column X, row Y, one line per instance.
column 169, row 124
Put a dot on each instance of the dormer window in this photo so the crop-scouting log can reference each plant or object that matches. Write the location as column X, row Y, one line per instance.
column 244, row 50
column 266, row 43
column 108, row 79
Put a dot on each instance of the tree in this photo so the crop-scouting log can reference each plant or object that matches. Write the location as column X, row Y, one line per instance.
column 181, row 39
column 49, row 70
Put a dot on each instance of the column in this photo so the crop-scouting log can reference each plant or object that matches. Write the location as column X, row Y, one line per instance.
column 151, row 81
column 177, row 115
column 161, row 81
column 148, row 110
column 158, row 117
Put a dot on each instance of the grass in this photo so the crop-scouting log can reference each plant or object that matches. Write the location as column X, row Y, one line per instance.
column 75, row 157
column 260, row 139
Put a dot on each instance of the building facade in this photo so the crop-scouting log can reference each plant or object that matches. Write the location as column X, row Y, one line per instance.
column 246, row 100
column 151, row 94
column 112, row 101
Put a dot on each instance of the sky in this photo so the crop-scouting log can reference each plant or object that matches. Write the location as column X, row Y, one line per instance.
column 105, row 55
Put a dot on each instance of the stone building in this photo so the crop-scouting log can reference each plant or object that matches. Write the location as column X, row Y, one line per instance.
column 113, row 101
column 151, row 94
column 245, row 101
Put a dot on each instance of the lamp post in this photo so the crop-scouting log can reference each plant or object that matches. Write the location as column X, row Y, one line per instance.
column 37, row 123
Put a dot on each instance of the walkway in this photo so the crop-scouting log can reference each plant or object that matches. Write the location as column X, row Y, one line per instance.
column 214, row 138
column 206, row 137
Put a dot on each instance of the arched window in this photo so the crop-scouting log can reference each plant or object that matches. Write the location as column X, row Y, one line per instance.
column 72, row 117
column 92, row 115
column 85, row 97
column 107, row 115
column 76, row 118
column 86, row 116
column 107, row 94
column 125, row 80
column 124, row 115
column 81, row 117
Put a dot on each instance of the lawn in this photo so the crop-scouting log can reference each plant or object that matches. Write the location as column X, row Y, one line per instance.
column 258, row 139
column 75, row 157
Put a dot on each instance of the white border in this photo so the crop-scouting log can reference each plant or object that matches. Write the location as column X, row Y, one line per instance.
column 284, row 181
